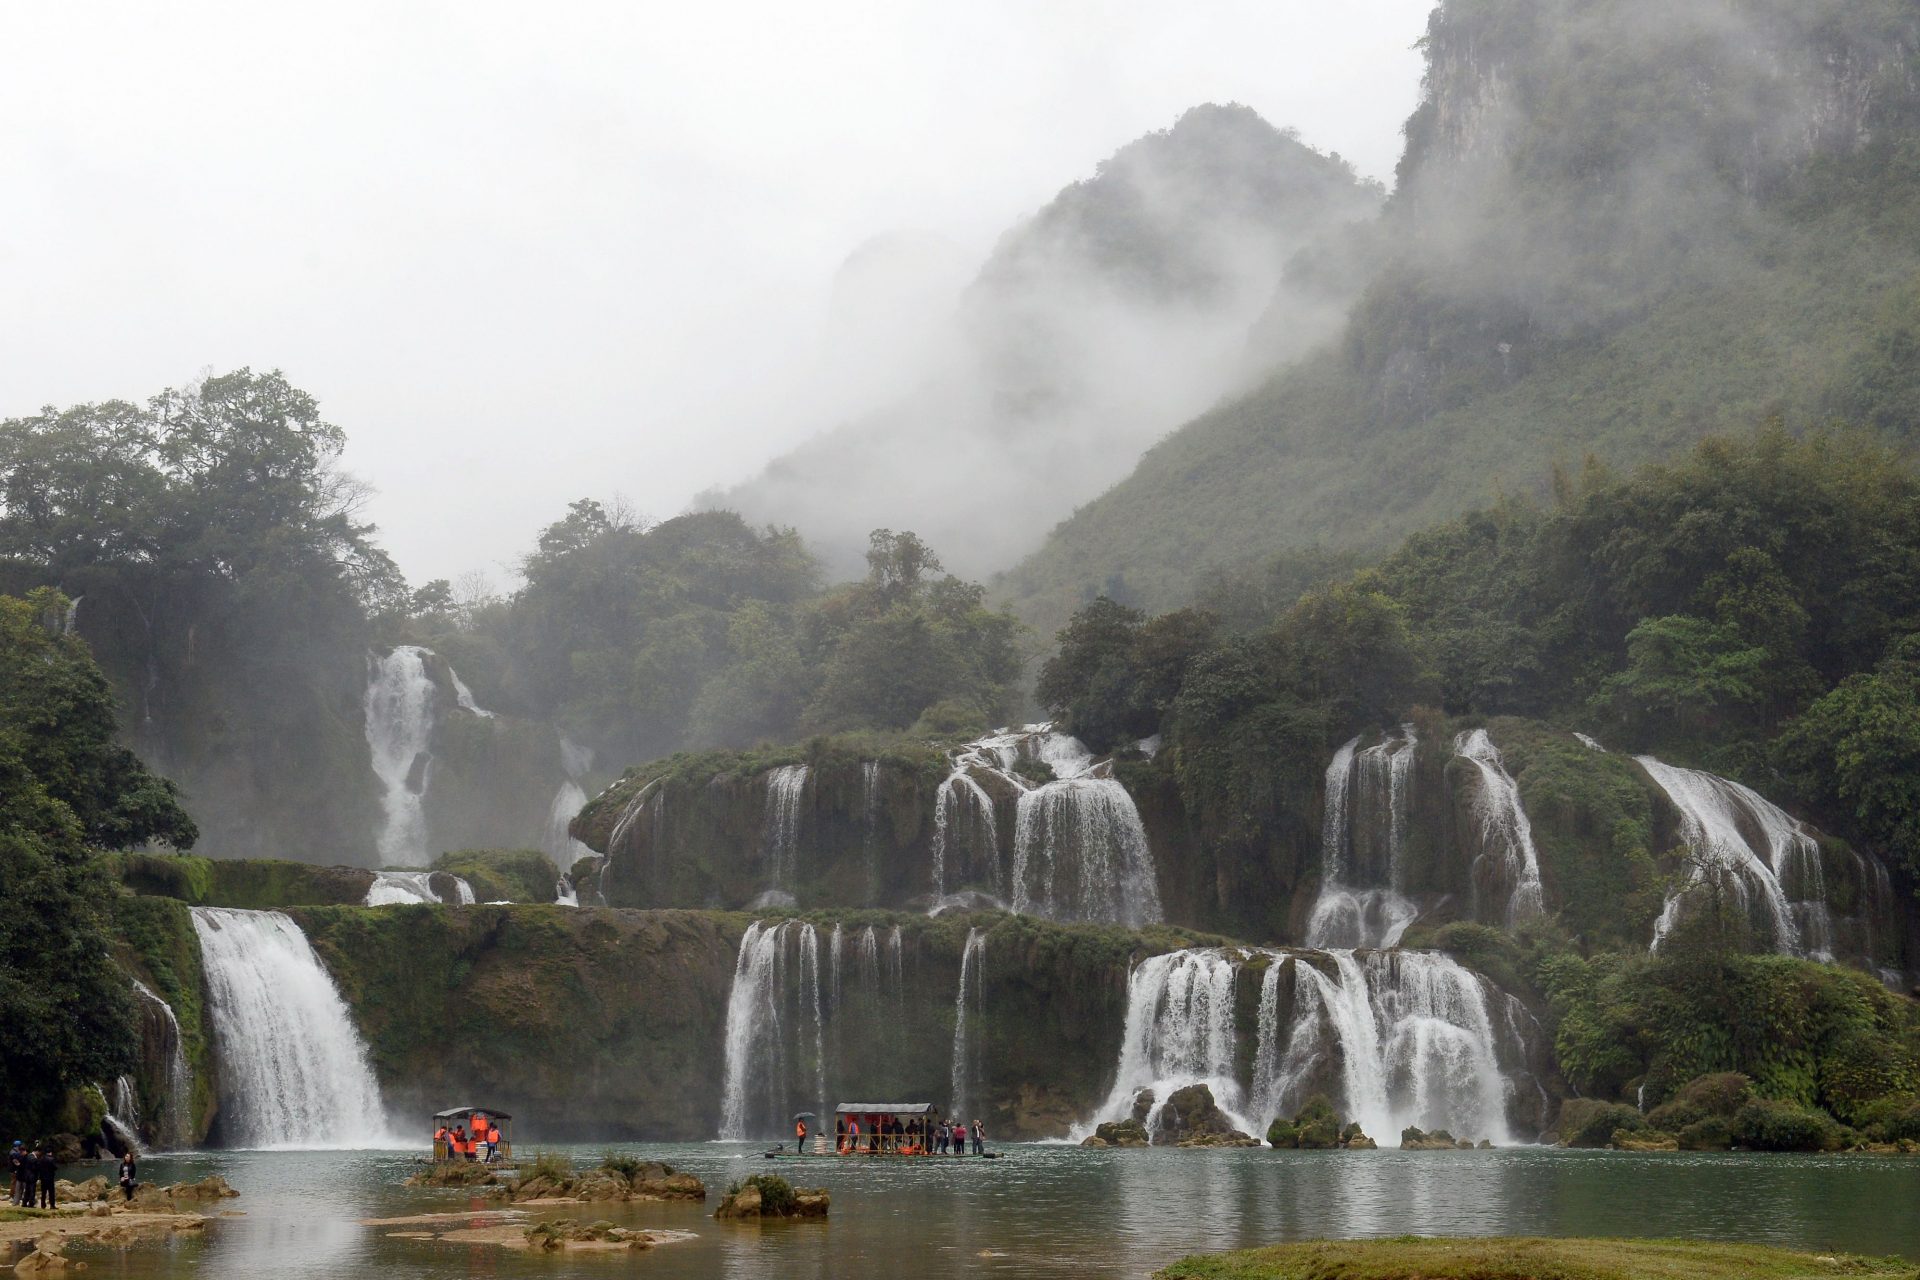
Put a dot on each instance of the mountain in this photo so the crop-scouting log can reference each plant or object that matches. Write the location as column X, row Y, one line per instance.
column 1617, row 226
column 1117, row 311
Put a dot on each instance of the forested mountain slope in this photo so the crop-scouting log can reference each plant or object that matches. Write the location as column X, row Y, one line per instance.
column 1597, row 245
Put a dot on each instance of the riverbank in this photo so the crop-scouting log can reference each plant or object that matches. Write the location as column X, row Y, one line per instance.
column 1527, row 1260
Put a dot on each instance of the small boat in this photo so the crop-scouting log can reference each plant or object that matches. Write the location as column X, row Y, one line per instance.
column 878, row 1130
column 467, row 1119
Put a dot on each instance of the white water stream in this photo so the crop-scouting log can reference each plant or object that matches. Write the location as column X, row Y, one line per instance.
column 399, row 707
column 293, row 1069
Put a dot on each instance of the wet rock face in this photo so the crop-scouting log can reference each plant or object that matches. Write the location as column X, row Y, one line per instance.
column 1118, row 1133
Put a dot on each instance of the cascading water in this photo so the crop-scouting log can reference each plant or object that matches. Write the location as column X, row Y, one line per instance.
column 1715, row 815
column 780, row 829
column 1413, row 1037
column 293, row 1068
column 1506, row 874
column 762, row 1067
column 463, row 696
column 123, row 1114
column 1179, row 1031
column 163, row 1048
column 571, row 797
column 963, row 817
column 392, row 888
column 1090, row 825
column 399, row 709
column 1402, row 1038
column 1080, row 851
column 1361, row 903
column 966, row 1046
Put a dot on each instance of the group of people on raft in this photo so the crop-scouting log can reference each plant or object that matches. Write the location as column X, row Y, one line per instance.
column 481, row 1143
column 890, row 1135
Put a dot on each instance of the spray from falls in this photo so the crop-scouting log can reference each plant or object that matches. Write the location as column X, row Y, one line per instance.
column 399, row 710
column 294, row 1071
column 966, row 1039
column 1361, row 903
column 1506, row 874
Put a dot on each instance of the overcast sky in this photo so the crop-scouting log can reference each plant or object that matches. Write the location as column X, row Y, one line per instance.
column 526, row 253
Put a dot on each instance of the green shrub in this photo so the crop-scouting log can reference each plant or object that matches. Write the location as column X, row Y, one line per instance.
column 776, row 1193
column 1588, row 1122
column 549, row 1164
column 1282, row 1135
column 1765, row 1124
column 1890, row 1119
column 1714, row 1133
column 1321, row 1133
column 627, row 1167
column 1720, row 1094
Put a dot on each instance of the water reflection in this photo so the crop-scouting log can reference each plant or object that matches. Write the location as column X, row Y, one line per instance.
column 1046, row 1211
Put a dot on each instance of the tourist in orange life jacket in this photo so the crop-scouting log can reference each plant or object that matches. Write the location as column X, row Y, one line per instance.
column 799, row 1136
column 442, row 1149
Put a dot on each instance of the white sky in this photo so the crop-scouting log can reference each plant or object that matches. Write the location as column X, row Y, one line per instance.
column 528, row 253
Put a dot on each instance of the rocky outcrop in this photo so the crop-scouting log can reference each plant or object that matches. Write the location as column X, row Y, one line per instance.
column 1412, row 1139
column 1118, row 1133
column 1191, row 1118
column 767, row 1195
column 1316, row 1127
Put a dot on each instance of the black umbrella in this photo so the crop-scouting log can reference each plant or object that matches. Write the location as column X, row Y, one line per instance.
column 805, row 1115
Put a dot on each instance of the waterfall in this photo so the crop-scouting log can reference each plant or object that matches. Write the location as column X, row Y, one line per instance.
column 780, row 828
column 1589, row 742
column 870, row 824
column 1361, row 903
column 564, row 894
column 464, row 696
column 1413, row 1037
column 1179, row 1031
column 1508, row 866
column 1398, row 1038
column 72, row 618
column 162, row 1044
column 569, row 799
column 762, row 1067
column 391, row 888
column 1091, row 825
column 1716, row 816
column 557, row 842
column 966, row 1048
column 896, row 973
column 1080, row 851
column 835, row 945
column 399, row 708
column 123, row 1114
column 963, row 804
column 293, row 1068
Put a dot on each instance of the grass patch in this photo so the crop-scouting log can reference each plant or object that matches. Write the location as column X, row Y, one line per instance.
column 1418, row 1258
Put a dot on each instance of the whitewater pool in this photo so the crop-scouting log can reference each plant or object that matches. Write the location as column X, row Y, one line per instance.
column 1041, row 1211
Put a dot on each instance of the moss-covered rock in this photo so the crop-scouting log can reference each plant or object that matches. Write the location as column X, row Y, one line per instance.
column 503, row 875
column 1589, row 1122
column 251, row 884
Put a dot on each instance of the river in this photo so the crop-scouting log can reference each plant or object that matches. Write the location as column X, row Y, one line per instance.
column 1041, row 1211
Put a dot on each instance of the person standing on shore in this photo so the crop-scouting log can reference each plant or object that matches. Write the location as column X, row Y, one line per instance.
column 128, row 1173
column 46, row 1166
column 18, row 1165
column 979, row 1139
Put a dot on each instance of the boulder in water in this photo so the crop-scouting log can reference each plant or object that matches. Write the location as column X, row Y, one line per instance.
column 48, row 1256
column 94, row 1188
column 1119, row 1133
column 767, row 1195
column 1643, row 1140
column 1190, row 1117
column 1413, row 1139
column 211, row 1187
column 1317, row 1127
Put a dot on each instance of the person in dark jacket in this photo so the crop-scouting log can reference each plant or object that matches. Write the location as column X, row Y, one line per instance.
column 20, row 1166
column 47, row 1167
column 979, row 1138
column 129, row 1171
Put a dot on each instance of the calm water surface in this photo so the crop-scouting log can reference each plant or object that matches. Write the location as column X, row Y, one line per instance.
column 1041, row 1211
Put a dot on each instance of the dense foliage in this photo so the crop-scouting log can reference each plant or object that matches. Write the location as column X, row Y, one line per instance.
column 67, row 789
column 222, row 578
column 1751, row 607
column 703, row 632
